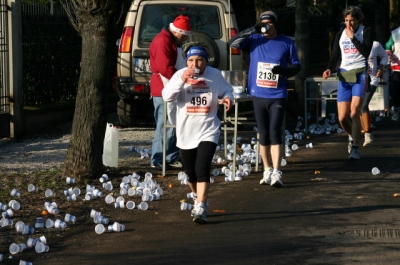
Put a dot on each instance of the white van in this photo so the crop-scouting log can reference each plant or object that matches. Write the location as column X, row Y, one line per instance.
column 213, row 23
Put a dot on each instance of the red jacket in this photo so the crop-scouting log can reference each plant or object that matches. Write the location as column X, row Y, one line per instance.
column 163, row 56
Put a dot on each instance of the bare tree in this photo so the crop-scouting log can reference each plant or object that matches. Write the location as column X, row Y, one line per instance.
column 93, row 19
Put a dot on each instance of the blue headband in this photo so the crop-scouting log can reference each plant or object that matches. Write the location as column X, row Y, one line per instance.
column 197, row 51
column 268, row 17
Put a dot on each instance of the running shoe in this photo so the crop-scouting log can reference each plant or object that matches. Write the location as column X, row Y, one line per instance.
column 368, row 139
column 266, row 180
column 350, row 145
column 176, row 164
column 276, row 180
column 354, row 154
column 199, row 215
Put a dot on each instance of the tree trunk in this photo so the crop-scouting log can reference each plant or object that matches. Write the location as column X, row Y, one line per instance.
column 84, row 155
column 302, row 43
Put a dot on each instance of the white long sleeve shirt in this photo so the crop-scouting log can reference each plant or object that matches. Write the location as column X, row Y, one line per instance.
column 197, row 106
column 376, row 51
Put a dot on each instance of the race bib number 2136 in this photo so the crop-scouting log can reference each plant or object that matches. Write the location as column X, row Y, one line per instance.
column 265, row 77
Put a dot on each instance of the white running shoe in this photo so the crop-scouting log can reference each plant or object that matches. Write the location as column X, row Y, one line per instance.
column 354, row 154
column 276, row 180
column 199, row 215
column 368, row 139
column 350, row 145
column 266, row 180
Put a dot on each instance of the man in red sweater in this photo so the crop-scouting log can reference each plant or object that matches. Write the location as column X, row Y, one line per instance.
column 163, row 64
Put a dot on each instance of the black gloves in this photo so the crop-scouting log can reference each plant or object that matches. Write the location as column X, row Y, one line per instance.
column 289, row 71
column 278, row 70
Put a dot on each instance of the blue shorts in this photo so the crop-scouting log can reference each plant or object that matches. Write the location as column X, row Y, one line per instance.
column 347, row 90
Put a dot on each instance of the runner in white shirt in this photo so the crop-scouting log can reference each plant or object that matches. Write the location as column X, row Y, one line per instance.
column 197, row 90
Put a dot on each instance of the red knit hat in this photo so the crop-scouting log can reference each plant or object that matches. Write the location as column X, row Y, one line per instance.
column 181, row 25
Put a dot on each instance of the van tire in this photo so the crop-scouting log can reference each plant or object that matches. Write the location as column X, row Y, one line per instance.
column 209, row 43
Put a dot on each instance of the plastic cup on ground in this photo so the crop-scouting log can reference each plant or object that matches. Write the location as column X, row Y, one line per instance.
column 69, row 218
column 216, row 172
column 186, row 206
column 119, row 199
column 7, row 213
column 283, row 162
column 109, row 199
column 295, row 147
column 375, row 171
column 49, row 223
column 27, row 230
column 32, row 188
column 108, row 186
column 18, row 226
column 130, row 205
column 143, row 206
column 43, row 239
column 160, row 191
column 23, row 262
column 70, row 180
column 117, row 227
column 39, row 222
column 31, row 242
column 89, row 196
column 41, row 247
column 99, row 219
column 15, row 205
column 93, row 213
column 71, row 198
column 14, row 192
column 99, row 229
column 60, row 224
column 5, row 222
column 3, row 206
column 309, row 145
column 131, row 192
column 14, row 248
column 49, row 193
column 103, row 178
column 119, row 204
column 76, row 191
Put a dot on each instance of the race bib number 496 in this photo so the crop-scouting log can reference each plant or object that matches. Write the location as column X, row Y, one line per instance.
column 265, row 77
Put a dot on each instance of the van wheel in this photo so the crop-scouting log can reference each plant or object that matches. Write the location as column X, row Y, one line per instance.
column 209, row 43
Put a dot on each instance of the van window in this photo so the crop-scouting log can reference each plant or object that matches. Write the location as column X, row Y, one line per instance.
column 205, row 18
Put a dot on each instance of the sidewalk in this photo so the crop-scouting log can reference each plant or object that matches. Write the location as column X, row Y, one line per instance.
column 331, row 211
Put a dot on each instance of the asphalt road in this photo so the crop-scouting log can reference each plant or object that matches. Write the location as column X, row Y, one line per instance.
column 331, row 211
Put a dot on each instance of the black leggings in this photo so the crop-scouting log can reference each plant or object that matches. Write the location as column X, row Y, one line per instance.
column 197, row 161
column 269, row 115
column 367, row 98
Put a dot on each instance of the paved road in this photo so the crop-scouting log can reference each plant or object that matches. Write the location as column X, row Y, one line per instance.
column 343, row 215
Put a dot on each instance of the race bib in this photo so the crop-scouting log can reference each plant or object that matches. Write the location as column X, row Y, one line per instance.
column 265, row 77
column 198, row 97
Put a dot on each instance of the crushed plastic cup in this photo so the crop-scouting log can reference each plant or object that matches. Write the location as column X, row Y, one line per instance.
column 41, row 247
column 309, row 145
column 14, row 192
column 143, row 206
column 117, row 227
column 99, row 219
column 70, row 180
column 69, row 218
column 182, row 176
column 49, row 193
column 130, row 205
column 71, row 198
column 186, row 206
column 375, row 171
column 27, row 230
column 93, row 213
column 89, row 196
column 32, row 188
column 3, row 206
column 99, row 229
column 49, row 223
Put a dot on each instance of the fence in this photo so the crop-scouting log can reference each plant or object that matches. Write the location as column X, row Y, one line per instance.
column 51, row 50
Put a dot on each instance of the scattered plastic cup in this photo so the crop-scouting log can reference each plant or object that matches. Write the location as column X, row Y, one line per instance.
column 27, row 230
column 7, row 213
column 283, row 162
column 32, row 188
column 15, row 248
column 117, row 227
column 69, row 218
column 131, row 191
column 41, row 247
column 60, row 224
column 15, row 192
column 18, row 226
column 375, row 171
column 108, row 186
column 99, row 219
column 295, row 147
column 71, row 198
column 49, row 223
column 39, row 222
column 31, row 242
column 70, row 180
column 103, row 178
column 119, row 204
column 49, row 193
column 93, row 213
column 23, row 262
column 216, row 172
column 309, row 145
column 109, row 199
column 6, row 222
column 143, row 206
column 15, row 205
column 99, row 229
column 186, row 206
column 130, row 205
